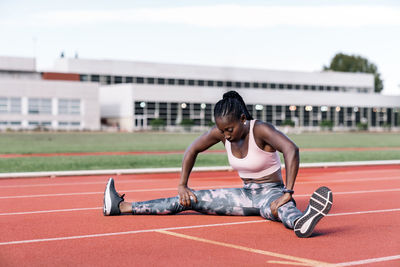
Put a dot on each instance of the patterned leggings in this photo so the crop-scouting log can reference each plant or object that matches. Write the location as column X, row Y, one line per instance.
column 252, row 199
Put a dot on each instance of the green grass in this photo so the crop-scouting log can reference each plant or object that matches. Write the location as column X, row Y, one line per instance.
column 98, row 142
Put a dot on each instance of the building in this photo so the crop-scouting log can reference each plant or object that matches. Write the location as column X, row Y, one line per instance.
column 78, row 93
column 29, row 102
column 132, row 94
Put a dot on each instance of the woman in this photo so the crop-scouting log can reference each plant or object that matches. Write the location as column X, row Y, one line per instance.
column 252, row 148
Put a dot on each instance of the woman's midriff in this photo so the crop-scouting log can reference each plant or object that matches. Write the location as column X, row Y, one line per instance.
column 275, row 177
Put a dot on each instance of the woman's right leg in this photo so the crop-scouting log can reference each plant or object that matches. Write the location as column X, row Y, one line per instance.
column 227, row 201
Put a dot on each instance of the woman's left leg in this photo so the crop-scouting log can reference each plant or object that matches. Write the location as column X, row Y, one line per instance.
column 265, row 194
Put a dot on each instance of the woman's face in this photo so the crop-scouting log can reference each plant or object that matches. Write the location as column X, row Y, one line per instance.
column 232, row 129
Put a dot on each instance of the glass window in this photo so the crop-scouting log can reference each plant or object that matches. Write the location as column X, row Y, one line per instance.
column 289, row 86
column 246, row 85
column 228, row 84
column 273, row 85
column 69, row 106
column 39, row 106
column 3, row 105
column 171, row 81
column 281, row 86
column 117, row 79
column 200, row 83
column 297, row 86
column 139, row 80
column 255, row 85
column 220, row 83
column 181, row 82
column 191, row 82
column 238, row 84
column 210, row 83
column 264, row 85
column 129, row 79
column 95, row 78
column 150, row 80
column 160, row 81
column 84, row 78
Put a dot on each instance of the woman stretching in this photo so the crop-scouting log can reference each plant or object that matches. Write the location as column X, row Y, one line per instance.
column 252, row 147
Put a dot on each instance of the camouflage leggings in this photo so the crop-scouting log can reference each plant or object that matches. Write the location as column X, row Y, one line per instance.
column 252, row 199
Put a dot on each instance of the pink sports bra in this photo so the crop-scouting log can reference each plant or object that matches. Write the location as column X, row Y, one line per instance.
column 257, row 163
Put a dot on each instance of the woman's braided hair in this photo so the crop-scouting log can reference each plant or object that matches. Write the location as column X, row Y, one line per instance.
column 231, row 104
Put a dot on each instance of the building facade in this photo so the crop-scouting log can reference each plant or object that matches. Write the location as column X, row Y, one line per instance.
column 79, row 93
column 133, row 94
column 29, row 102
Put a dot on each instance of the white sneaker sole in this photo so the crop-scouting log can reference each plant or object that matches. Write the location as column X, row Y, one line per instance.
column 107, row 199
column 320, row 204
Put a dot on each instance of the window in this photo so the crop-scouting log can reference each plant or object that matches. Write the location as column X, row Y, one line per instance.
column 150, row 80
column 238, row 84
column 95, row 78
column 281, row 86
column 69, row 106
column 228, row 84
column 191, row 82
column 10, row 105
column 264, row 85
column 129, row 79
column 139, row 80
column 39, row 106
column 160, row 81
column 181, row 82
column 255, row 85
column 3, row 105
column 210, row 83
column 246, row 85
column 220, row 83
column 84, row 78
column 171, row 81
column 117, row 79
column 200, row 83
column 273, row 85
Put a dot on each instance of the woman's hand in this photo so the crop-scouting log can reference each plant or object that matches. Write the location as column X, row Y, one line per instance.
column 279, row 202
column 185, row 195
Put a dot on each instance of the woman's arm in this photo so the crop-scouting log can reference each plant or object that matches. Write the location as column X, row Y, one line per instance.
column 290, row 151
column 205, row 141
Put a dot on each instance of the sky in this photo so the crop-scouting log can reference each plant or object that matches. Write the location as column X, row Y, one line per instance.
column 299, row 35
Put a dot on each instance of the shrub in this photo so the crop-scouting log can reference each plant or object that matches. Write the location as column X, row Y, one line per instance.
column 157, row 124
column 361, row 126
column 288, row 123
column 326, row 124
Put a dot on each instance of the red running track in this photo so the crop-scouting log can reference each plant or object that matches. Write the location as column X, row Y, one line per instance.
column 58, row 221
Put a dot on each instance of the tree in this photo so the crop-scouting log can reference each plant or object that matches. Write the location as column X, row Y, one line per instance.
column 354, row 63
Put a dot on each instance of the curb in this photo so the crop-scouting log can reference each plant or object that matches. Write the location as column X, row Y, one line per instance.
column 53, row 174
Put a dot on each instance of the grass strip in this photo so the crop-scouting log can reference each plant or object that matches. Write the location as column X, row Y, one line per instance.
column 26, row 143
column 65, row 163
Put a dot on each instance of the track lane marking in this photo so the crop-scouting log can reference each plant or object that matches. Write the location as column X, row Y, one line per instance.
column 195, row 187
column 126, row 233
column 173, row 228
column 289, row 263
column 363, row 179
column 366, row 261
column 309, row 262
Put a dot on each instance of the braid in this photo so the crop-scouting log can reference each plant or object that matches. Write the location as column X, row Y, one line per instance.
column 231, row 104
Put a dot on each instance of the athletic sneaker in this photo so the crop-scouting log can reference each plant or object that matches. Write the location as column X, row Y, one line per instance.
column 320, row 204
column 111, row 199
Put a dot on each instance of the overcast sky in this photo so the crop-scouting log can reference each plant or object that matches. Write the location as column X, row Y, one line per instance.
column 299, row 35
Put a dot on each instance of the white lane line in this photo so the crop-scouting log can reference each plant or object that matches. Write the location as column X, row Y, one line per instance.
column 366, row 261
column 195, row 187
column 363, row 212
column 171, row 228
column 125, row 191
column 125, row 233
column 49, row 211
column 363, row 179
